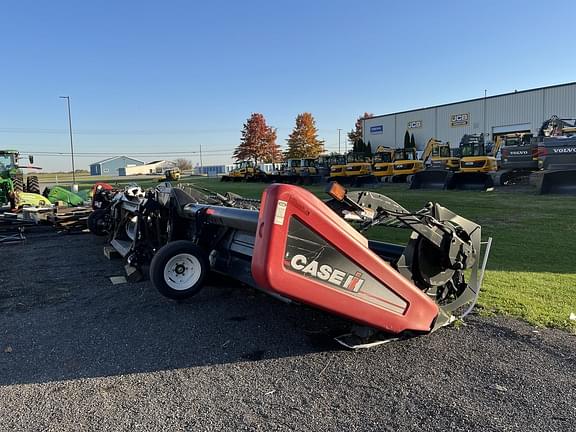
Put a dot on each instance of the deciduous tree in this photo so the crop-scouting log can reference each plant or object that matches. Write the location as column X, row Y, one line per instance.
column 183, row 164
column 355, row 135
column 303, row 141
column 273, row 151
column 258, row 141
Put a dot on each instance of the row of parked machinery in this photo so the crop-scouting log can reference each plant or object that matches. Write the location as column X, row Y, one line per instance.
column 547, row 161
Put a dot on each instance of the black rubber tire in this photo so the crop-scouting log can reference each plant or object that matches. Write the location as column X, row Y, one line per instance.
column 12, row 201
column 32, row 184
column 97, row 223
column 161, row 259
column 18, row 182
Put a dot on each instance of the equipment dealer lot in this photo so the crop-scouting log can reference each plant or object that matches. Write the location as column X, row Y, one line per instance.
column 79, row 353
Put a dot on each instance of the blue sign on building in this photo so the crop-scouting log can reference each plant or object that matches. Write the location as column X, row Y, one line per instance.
column 376, row 130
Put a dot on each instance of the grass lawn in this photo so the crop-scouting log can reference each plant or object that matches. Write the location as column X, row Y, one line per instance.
column 532, row 267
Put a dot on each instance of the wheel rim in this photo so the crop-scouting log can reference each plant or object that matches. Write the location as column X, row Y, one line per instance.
column 182, row 271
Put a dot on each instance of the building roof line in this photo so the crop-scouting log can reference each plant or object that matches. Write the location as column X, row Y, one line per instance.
column 473, row 100
column 114, row 158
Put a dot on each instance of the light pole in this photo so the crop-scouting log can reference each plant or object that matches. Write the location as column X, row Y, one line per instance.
column 339, row 130
column 201, row 164
column 71, row 142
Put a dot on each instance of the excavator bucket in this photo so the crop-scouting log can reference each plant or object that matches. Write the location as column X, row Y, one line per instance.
column 471, row 181
column 431, row 179
column 556, row 182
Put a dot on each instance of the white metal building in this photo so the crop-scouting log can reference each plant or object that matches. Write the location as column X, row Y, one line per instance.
column 521, row 111
column 154, row 167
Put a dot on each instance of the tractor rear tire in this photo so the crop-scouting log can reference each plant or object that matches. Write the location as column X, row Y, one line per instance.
column 98, row 222
column 32, row 184
column 178, row 269
column 18, row 182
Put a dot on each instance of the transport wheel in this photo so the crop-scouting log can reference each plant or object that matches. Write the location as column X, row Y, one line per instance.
column 32, row 184
column 178, row 269
column 98, row 222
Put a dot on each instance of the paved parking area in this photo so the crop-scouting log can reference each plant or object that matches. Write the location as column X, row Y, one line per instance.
column 78, row 353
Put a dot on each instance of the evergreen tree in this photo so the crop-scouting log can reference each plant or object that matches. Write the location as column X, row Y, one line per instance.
column 412, row 142
column 369, row 149
column 359, row 146
column 407, row 140
column 303, row 141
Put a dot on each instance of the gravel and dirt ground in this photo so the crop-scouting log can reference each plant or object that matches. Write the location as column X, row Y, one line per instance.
column 78, row 353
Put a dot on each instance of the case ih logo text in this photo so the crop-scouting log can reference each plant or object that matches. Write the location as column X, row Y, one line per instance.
column 565, row 150
column 351, row 282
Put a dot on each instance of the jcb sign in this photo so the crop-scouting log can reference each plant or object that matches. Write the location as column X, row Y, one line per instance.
column 415, row 124
column 459, row 119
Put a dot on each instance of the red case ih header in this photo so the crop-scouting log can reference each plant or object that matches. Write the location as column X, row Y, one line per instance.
column 312, row 255
column 299, row 247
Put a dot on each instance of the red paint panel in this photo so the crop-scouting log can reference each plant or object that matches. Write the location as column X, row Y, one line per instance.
column 281, row 202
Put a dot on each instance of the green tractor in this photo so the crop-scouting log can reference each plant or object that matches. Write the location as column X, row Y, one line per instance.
column 12, row 180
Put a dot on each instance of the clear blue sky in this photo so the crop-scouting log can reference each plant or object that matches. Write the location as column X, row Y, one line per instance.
column 167, row 76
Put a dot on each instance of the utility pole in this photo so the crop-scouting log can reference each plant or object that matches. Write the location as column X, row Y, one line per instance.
column 71, row 142
column 485, row 92
column 201, row 165
column 339, row 151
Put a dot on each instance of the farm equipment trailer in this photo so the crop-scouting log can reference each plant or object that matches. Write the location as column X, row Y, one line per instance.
column 298, row 247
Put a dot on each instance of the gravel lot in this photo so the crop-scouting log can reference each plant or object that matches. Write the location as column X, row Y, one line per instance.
column 78, row 353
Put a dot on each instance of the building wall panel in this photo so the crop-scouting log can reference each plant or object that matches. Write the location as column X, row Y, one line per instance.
column 509, row 112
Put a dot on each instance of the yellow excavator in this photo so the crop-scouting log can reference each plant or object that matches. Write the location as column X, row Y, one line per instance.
column 356, row 172
column 438, row 172
column 406, row 163
column 383, row 163
column 299, row 171
column 478, row 164
column 324, row 164
column 337, row 169
column 244, row 170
